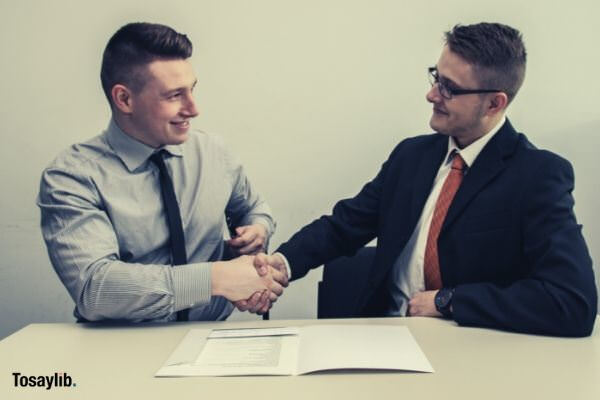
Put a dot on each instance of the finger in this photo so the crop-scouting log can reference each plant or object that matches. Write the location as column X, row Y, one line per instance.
column 249, row 235
column 275, row 288
column 239, row 241
column 254, row 301
column 241, row 305
column 266, row 308
column 253, row 247
column 417, row 311
column 236, row 242
column 261, row 264
column 411, row 307
column 262, row 300
column 273, row 297
column 277, row 262
column 280, row 277
column 245, row 238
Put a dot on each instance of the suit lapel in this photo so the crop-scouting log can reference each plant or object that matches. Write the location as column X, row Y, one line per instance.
column 487, row 165
column 407, row 205
column 427, row 170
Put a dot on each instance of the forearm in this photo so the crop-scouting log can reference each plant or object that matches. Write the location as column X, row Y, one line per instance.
column 340, row 234
column 529, row 306
column 118, row 290
column 353, row 223
column 549, row 289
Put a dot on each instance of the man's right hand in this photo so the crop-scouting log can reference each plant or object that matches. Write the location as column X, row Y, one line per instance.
column 275, row 260
column 239, row 279
column 259, row 303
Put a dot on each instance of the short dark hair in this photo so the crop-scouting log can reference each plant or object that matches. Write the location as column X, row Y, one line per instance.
column 136, row 45
column 495, row 50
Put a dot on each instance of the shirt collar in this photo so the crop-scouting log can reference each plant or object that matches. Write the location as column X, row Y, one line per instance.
column 132, row 152
column 470, row 153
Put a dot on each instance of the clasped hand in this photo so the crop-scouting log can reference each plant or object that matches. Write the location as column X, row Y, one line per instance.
column 265, row 265
column 239, row 279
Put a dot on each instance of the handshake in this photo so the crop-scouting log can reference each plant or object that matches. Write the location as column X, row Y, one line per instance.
column 252, row 283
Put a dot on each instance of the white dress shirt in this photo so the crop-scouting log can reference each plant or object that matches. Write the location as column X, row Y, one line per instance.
column 407, row 274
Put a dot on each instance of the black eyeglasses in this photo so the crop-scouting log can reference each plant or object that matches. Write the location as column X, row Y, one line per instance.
column 447, row 92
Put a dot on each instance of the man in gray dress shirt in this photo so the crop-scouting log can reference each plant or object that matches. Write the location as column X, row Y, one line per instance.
column 102, row 214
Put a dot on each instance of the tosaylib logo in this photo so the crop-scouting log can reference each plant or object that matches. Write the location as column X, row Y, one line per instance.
column 59, row 379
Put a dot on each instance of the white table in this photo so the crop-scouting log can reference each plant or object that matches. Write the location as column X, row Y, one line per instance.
column 119, row 362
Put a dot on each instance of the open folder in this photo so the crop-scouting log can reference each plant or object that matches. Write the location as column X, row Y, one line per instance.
column 295, row 351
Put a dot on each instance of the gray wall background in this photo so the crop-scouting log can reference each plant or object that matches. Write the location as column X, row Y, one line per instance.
column 310, row 95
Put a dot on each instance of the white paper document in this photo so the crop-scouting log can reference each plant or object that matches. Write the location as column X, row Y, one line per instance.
column 295, row 351
column 248, row 332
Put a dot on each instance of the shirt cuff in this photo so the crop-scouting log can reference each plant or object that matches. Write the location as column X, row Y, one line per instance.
column 191, row 285
column 287, row 265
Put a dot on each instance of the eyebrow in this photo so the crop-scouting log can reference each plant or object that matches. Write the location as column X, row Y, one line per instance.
column 173, row 91
column 447, row 80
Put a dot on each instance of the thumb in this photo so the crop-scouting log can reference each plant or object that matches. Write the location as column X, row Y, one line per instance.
column 261, row 264
column 240, row 230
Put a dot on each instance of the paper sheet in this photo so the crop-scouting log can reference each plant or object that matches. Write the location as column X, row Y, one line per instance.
column 293, row 351
column 249, row 332
column 359, row 347
column 257, row 355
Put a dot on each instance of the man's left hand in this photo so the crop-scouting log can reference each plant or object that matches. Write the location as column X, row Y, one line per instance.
column 423, row 305
column 250, row 239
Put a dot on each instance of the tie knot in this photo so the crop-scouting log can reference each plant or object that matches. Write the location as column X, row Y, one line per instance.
column 157, row 158
column 458, row 162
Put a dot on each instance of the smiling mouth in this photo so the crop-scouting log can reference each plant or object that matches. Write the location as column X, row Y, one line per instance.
column 182, row 124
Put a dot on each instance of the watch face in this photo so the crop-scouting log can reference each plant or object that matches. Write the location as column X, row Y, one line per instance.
column 442, row 299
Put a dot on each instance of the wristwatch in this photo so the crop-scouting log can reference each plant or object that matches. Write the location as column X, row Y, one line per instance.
column 443, row 301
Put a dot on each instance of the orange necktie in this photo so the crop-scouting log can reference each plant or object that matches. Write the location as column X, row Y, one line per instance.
column 433, row 278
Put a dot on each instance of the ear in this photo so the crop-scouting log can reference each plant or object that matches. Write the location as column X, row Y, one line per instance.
column 498, row 103
column 122, row 99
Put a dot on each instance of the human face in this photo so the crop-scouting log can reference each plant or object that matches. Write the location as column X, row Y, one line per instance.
column 462, row 117
column 161, row 110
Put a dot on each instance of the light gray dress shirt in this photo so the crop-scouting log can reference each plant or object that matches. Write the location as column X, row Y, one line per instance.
column 407, row 274
column 105, row 228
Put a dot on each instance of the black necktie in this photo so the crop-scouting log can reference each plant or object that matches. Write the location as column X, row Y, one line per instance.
column 177, row 238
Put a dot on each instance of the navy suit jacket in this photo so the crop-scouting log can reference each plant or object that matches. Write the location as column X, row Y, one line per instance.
column 510, row 244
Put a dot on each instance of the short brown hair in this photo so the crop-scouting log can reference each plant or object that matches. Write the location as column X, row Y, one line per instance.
column 136, row 45
column 495, row 50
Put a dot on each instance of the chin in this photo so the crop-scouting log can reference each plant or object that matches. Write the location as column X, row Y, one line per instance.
column 436, row 125
column 178, row 138
column 181, row 140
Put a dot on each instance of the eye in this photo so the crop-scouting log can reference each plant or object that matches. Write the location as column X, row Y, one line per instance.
column 448, row 84
column 174, row 96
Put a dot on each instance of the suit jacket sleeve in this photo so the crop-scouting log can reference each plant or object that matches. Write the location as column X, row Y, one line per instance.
column 557, row 293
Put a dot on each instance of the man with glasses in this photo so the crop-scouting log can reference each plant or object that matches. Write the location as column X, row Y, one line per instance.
column 473, row 222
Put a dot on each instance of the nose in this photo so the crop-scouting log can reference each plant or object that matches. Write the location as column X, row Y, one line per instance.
column 189, row 108
column 434, row 95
